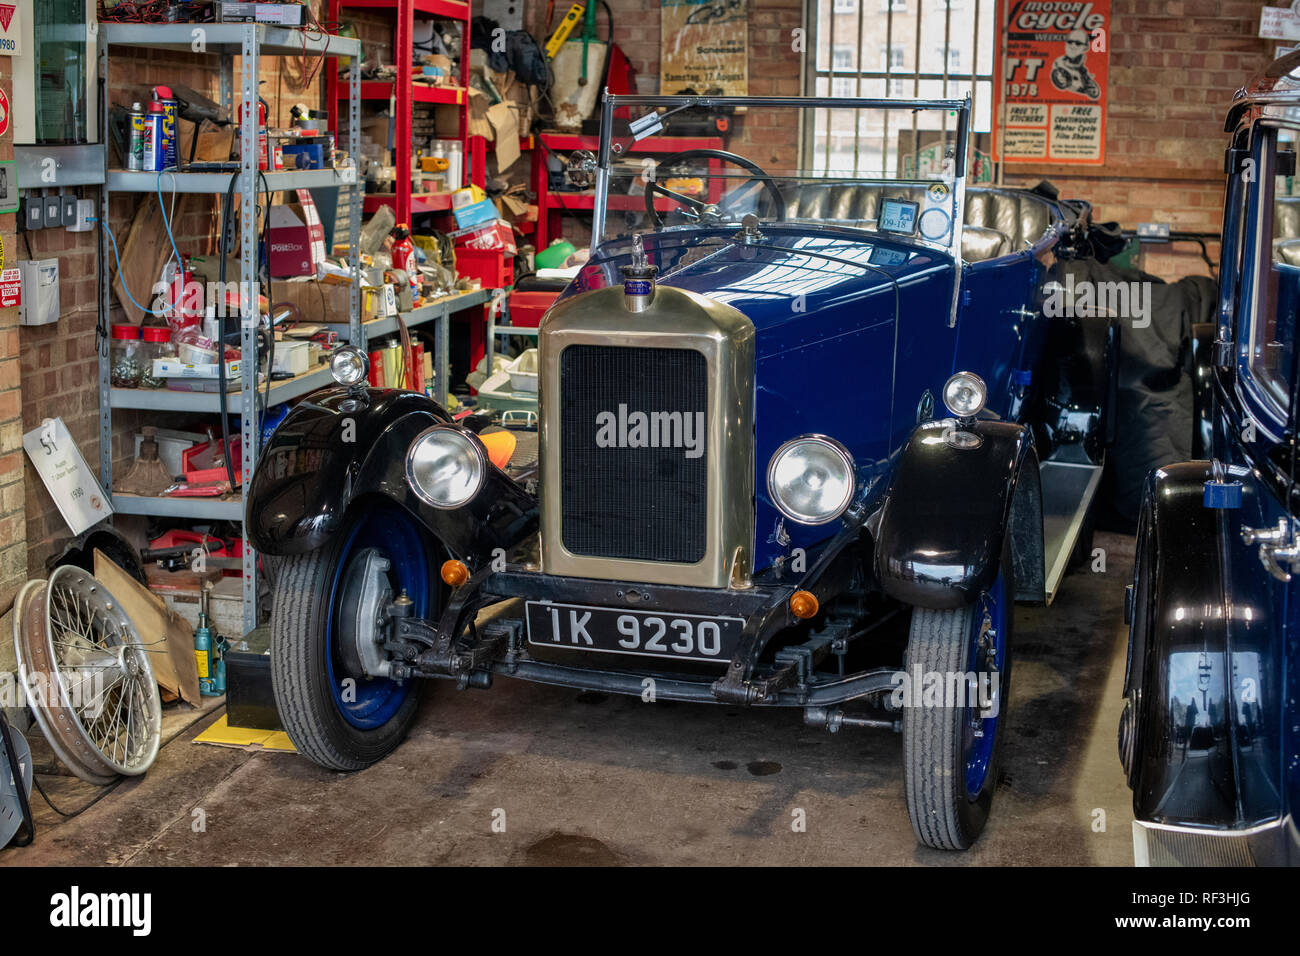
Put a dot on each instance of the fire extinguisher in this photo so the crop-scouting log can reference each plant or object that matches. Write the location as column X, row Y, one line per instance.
column 262, row 154
column 404, row 256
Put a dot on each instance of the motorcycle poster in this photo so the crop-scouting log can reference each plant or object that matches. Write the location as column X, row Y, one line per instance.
column 1052, row 82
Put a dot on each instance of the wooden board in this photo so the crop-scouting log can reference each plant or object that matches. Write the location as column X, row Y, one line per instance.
column 168, row 637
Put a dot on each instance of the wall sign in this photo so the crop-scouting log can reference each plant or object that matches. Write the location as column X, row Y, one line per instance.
column 11, row 288
column 703, row 46
column 1052, row 82
column 1279, row 23
column 67, row 477
column 11, row 30
column 4, row 112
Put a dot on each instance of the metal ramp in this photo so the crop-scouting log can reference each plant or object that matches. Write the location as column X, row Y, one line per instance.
column 1068, row 490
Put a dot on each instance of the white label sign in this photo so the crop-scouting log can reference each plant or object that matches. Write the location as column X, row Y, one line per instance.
column 67, row 477
column 11, row 29
column 1279, row 23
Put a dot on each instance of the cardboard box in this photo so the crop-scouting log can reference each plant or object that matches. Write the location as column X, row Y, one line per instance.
column 496, row 235
column 296, row 237
column 476, row 214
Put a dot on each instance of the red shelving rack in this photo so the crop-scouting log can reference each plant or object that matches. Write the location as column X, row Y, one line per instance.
column 404, row 93
column 548, row 226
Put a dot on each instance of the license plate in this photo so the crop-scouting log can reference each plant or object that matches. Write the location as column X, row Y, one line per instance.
column 686, row 637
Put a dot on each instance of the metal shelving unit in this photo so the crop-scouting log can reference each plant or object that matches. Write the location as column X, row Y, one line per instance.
column 250, row 42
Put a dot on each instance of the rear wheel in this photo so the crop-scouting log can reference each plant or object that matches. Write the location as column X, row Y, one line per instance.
column 952, row 724
column 320, row 654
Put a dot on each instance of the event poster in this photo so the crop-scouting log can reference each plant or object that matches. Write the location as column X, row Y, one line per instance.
column 703, row 46
column 1052, row 82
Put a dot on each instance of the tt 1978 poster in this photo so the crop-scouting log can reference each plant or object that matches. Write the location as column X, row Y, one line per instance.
column 1052, row 82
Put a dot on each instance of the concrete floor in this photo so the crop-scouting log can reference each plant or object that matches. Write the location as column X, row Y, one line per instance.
column 581, row 778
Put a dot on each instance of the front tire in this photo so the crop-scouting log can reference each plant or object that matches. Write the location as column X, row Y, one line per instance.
column 950, row 747
column 340, row 720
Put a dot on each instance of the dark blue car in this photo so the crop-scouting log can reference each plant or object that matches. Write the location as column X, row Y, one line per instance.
column 805, row 439
column 1210, row 733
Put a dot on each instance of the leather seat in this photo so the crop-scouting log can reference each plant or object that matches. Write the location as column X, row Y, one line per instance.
column 996, row 223
column 1286, row 230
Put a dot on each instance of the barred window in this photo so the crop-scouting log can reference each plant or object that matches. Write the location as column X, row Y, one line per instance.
column 926, row 49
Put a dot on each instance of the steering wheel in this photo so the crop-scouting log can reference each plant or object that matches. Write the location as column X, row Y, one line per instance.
column 698, row 206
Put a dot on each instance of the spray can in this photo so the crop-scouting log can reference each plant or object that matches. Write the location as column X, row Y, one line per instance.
column 155, row 154
column 262, row 155
column 135, row 144
column 404, row 256
column 163, row 94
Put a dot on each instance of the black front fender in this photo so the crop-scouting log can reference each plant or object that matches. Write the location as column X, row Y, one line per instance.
column 941, row 528
column 334, row 449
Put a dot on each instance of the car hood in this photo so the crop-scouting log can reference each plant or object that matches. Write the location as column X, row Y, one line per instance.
column 797, row 286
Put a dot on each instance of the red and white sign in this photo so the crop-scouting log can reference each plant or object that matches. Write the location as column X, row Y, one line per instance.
column 11, row 288
column 1052, row 82
column 4, row 112
column 1279, row 23
column 11, row 30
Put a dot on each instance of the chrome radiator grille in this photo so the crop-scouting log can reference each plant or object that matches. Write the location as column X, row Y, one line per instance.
column 634, row 461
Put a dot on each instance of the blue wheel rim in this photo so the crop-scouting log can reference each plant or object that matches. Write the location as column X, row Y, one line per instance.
column 378, row 699
column 986, row 658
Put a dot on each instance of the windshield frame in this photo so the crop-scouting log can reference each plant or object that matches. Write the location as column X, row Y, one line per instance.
column 607, row 149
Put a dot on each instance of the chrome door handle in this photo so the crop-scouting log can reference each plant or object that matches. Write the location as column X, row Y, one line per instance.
column 1276, row 546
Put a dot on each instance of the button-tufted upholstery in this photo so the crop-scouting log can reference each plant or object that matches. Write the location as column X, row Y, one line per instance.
column 1286, row 230
column 996, row 223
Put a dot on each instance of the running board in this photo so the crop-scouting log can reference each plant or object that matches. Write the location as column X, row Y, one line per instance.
column 1068, row 490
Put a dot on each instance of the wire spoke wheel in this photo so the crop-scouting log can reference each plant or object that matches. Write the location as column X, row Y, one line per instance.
column 87, row 676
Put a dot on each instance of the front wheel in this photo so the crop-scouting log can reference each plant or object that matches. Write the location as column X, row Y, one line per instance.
column 323, row 647
column 959, row 673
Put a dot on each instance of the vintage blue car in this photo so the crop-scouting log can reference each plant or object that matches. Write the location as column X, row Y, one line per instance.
column 805, row 438
column 1210, row 732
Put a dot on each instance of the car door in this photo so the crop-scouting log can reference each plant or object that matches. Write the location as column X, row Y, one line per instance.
column 1239, row 695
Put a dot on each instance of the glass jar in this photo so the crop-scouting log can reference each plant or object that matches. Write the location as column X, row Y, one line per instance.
column 126, row 364
column 155, row 343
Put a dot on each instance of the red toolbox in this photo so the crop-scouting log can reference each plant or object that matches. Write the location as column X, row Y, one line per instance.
column 493, row 267
column 527, row 308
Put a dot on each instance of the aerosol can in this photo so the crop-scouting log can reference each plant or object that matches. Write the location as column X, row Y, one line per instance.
column 163, row 94
column 135, row 138
column 155, row 149
column 208, row 652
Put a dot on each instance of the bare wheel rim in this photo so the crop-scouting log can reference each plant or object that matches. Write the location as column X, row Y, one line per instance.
column 89, row 678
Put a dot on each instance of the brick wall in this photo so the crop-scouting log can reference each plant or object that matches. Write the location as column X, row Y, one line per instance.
column 13, row 531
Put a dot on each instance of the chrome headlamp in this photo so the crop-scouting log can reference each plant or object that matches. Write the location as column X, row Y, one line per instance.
column 811, row 479
column 965, row 394
column 445, row 467
column 349, row 365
